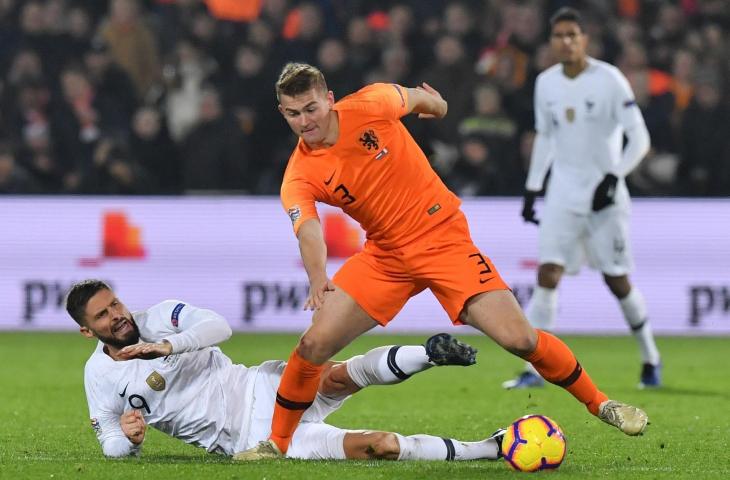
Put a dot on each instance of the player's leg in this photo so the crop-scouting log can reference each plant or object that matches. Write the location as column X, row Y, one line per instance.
column 609, row 244
column 470, row 289
column 334, row 326
column 393, row 364
column 320, row 441
column 498, row 315
column 364, row 293
column 559, row 236
column 633, row 307
column 394, row 446
column 540, row 312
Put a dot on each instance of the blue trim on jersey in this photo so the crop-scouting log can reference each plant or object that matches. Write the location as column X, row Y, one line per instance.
column 176, row 313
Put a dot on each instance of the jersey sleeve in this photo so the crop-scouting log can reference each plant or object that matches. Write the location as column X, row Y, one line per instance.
column 543, row 118
column 105, row 411
column 625, row 109
column 186, row 327
column 388, row 100
column 541, row 157
column 298, row 199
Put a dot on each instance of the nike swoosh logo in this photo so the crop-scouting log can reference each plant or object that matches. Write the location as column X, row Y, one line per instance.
column 485, row 281
column 124, row 392
column 327, row 182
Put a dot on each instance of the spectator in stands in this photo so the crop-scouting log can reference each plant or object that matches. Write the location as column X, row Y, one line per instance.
column 133, row 44
column 115, row 173
column 13, row 177
column 476, row 171
column 660, row 46
column 451, row 74
column 332, row 60
column 362, row 55
column 152, row 148
column 109, row 80
column 185, row 75
column 705, row 143
column 214, row 153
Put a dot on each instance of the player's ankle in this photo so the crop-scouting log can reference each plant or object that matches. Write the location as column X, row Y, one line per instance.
column 281, row 443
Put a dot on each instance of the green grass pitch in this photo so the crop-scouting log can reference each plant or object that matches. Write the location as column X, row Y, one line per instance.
column 45, row 432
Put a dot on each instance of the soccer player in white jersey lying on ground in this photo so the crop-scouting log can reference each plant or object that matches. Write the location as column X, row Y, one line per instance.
column 160, row 367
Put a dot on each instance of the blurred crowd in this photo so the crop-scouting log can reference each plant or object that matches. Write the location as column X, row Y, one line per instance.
column 176, row 96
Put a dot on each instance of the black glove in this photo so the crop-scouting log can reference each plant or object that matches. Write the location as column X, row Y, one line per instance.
column 605, row 191
column 528, row 207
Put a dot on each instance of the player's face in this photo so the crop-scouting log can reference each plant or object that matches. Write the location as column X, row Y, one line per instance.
column 568, row 42
column 107, row 319
column 308, row 114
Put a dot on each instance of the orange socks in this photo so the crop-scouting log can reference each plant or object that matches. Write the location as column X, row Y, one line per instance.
column 298, row 387
column 557, row 364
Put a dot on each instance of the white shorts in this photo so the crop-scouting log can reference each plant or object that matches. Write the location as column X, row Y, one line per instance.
column 601, row 238
column 313, row 439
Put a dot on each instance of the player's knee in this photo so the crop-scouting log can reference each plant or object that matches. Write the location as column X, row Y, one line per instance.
column 548, row 275
column 337, row 382
column 521, row 346
column 619, row 286
column 314, row 349
column 520, row 341
column 383, row 445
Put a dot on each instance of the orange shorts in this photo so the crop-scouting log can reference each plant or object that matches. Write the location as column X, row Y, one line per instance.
column 445, row 260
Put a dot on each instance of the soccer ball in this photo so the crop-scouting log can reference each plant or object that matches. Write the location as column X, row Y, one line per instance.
column 533, row 443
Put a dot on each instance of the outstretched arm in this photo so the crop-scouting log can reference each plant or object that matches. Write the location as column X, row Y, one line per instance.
column 426, row 102
column 198, row 328
column 314, row 255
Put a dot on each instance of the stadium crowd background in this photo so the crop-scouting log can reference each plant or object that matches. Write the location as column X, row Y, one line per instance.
column 169, row 97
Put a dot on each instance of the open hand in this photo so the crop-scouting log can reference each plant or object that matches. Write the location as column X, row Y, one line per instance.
column 317, row 291
column 145, row 351
column 425, row 87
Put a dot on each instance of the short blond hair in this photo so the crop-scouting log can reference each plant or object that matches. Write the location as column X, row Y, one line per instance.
column 298, row 78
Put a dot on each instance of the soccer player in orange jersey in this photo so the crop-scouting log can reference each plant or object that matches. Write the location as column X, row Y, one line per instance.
column 357, row 155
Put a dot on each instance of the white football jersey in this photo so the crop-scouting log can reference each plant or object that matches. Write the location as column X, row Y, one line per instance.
column 584, row 118
column 199, row 396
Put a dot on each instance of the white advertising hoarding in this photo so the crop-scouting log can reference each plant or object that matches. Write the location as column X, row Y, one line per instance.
column 238, row 256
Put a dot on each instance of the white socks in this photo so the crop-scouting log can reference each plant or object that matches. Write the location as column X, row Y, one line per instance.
column 543, row 308
column 387, row 365
column 428, row 447
column 634, row 308
column 541, row 312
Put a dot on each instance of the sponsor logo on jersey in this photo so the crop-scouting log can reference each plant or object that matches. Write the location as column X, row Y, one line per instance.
column 294, row 213
column 434, row 209
column 381, row 154
column 176, row 313
column 124, row 392
column 629, row 103
column 329, row 180
column 570, row 114
column 95, row 425
column 156, row 382
column 369, row 140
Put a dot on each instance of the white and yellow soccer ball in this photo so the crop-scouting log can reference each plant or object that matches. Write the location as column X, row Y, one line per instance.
column 533, row 443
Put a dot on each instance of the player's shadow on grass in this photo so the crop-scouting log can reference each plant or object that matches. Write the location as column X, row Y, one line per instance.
column 666, row 390
column 169, row 458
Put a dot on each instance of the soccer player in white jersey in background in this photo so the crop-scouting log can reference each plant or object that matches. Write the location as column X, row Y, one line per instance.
column 160, row 367
column 583, row 109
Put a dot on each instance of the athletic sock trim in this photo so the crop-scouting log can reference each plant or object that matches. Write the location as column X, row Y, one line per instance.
column 291, row 405
column 636, row 328
column 393, row 366
column 450, row 449
column 571, row 379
